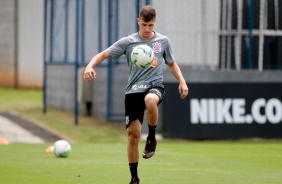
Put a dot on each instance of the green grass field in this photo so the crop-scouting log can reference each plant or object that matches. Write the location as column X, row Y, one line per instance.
column 174, row 162
column 99, row 154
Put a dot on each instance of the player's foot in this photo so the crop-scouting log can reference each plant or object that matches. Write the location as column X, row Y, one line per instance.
column 150, row 148
column 134, row 181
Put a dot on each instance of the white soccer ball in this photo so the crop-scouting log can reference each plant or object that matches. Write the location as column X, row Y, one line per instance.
column 62, row 148
column 142, row 56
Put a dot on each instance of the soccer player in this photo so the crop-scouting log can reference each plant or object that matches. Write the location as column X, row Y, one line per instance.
column 145, row 89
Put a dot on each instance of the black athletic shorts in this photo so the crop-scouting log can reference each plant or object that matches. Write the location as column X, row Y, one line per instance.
column 135, row 104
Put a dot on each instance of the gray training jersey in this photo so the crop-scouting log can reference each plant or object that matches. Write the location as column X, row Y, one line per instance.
column 141, row 79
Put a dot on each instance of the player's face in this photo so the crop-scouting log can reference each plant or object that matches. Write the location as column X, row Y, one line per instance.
column 146, row 28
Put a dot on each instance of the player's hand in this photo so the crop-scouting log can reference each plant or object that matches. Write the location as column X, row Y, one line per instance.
column 89, row 75
column 183, row 90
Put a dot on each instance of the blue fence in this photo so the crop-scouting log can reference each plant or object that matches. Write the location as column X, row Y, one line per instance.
column 76, row 30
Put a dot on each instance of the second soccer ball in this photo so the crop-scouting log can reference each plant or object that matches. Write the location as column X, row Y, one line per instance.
column 62, row 148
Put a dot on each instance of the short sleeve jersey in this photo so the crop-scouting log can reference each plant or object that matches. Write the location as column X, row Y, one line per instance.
column 140, row 79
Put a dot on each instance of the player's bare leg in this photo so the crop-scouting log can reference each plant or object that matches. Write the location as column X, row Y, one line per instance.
column 133, row 133
column 151, row 101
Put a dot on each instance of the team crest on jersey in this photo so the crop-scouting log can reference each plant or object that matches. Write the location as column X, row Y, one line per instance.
column 157, row 47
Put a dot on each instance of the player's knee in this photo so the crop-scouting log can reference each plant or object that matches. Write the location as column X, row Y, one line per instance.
column 151, row 101
column 133, row 137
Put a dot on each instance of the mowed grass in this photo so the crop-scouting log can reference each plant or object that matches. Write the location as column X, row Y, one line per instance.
column 99, row 154
column 175, row 162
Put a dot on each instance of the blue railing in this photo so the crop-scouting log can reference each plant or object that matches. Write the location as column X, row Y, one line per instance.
column 72, row 41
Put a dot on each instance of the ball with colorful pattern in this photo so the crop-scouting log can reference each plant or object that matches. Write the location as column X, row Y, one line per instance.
column 142, row 56
column 62, row 149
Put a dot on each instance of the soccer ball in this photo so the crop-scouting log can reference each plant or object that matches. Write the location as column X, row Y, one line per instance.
column 62, row 148
column 142, row 56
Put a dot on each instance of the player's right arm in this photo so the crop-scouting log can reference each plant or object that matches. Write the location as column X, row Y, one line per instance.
column 89, row 72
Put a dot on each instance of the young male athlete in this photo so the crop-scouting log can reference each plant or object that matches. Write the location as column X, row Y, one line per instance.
column 145, row 89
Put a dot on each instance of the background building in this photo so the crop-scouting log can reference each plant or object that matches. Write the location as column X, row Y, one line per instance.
column 47, row 43
column 21, row 43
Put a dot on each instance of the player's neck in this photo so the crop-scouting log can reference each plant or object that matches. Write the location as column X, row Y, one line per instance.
column 147, row 38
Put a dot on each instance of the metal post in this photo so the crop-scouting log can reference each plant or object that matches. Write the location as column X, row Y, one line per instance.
column 261, row 34
column 116, row 20
column 250, row 49
column 66, row 30
column 82, row 30
column 204, row 33
column 137, row 13
column 100, row 25
column 276, row 11
column 229, row 37
column 238, row 40
column 16, row 65
column 44, row 60
column 51, row 31
column 223, row 37
column 109, row 81
column 76, row 64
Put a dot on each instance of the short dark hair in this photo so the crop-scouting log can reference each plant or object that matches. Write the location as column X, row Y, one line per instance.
column 147, row 13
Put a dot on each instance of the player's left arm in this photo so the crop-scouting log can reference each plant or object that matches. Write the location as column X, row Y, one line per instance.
column 183, row 88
